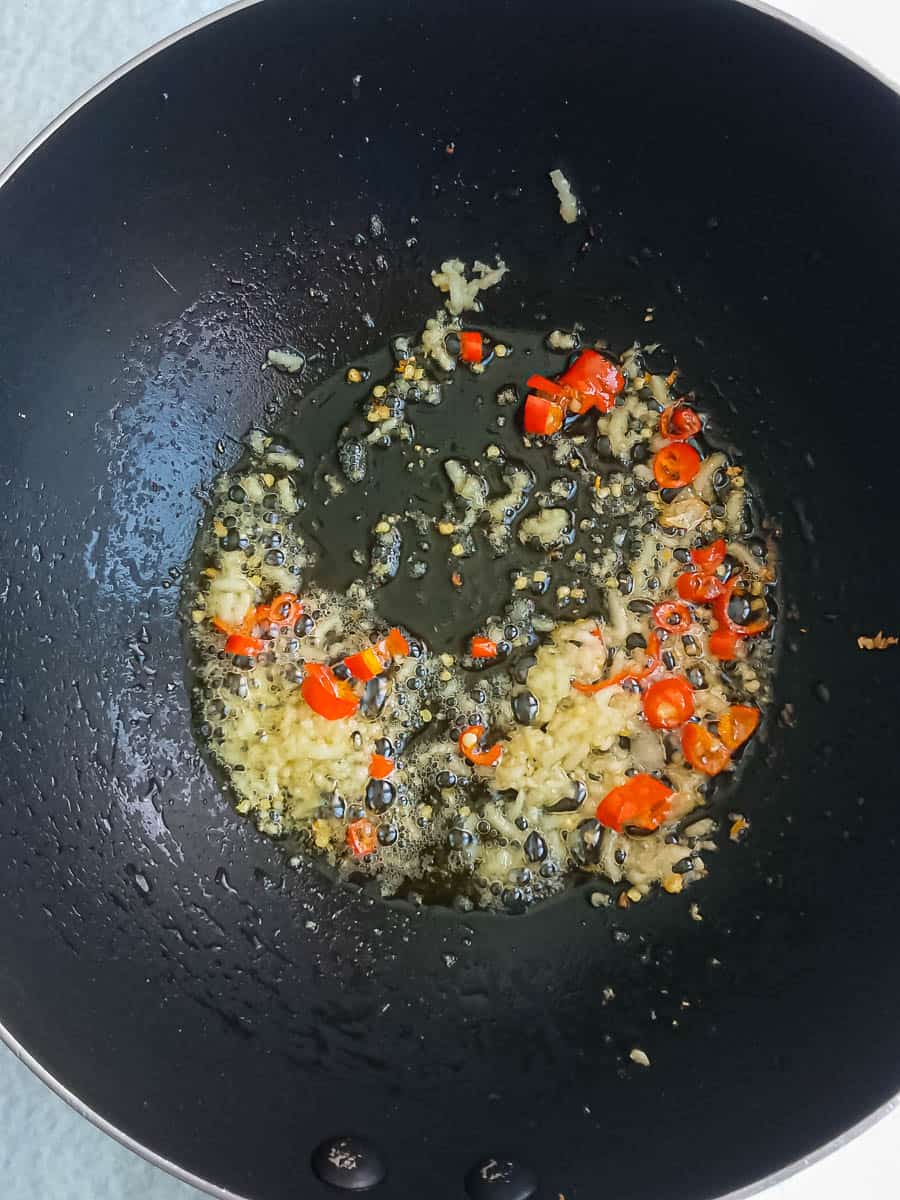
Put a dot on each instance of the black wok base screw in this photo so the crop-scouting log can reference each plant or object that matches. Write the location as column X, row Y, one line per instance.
column 500, row 1179
column 350, row 1163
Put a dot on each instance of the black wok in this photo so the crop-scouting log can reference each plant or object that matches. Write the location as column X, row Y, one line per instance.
column 157, row 958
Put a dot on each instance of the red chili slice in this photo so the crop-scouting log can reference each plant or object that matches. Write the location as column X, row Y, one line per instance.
column 395, row 644
column 471, row 346
column 469, row 743
column 668, row 703
column 707, row 558
column 367, row 664
column 542, row 417
column 737, row 724
column 673, row 616
column 636, row 674
column 380, row 766
column 483, row 647
column 240, row 643
column 675, row 465
column 723, row 644
column 720, row 612
column 642, row 801
column 679, row 422
column 330, row 697
column 285, row 609
column 698, row 587
column 596, row 379
column 703, row 750
column 539, row 383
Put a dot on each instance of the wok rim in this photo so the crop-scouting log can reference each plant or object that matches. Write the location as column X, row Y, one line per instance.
column 6, row 1036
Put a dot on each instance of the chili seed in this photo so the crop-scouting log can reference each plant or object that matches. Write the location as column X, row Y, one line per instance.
column 640, row 606
column 683, row 866
column 635, row 641
column 696, row 678
column 668, row 659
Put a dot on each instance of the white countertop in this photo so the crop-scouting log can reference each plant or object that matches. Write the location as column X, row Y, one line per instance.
column 51, row 51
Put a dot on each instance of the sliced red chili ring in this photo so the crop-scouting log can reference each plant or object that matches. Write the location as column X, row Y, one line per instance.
column 698, row 587
column 679, row 422
column 675, row 465
column 469, row 743
column 720, row 612
column 673, row 616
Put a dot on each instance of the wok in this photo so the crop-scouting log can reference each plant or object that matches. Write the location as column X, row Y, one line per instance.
column 224, row 1014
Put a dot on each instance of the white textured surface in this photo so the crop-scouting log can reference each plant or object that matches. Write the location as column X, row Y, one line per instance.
column 51, row 51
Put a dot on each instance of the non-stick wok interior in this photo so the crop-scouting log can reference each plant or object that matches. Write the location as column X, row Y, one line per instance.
column 155, row 953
